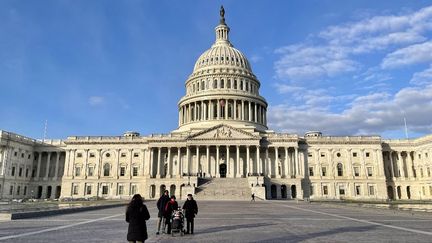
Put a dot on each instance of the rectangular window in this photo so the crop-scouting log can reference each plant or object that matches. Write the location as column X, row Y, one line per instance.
column 13, row 171
column 135, row 171
column 357, row 189
column 309, row 154
column 104, row 190
column 371, row 190
column 325, row 190
column 18, row 190
column 11, row 190
column 136, row 155
column 341, row 190
column 77, row 171
column 25, row 190
column 311, row 190
column 133, row 189
column 33, row 172
column 120, row 189
column 430, row 190
column 22, row 155
column 16, row 154
column 79, row 155
column 367, row 154
column 122, row 171
column 75, row 190
column 20, row 172
column 92, row 155
column 356, row 171
column 354, row 154
column 369, row 171
column 324, row 171
column 90, row 171
column 89, row 189
column 29, row 156
column 322, row 154
column 123, row 155
column 27, row 172
column 311, row 172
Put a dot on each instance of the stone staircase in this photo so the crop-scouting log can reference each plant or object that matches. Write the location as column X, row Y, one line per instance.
column 223, row 189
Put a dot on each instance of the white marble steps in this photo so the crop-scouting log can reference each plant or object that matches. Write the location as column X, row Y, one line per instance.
column 224, row 189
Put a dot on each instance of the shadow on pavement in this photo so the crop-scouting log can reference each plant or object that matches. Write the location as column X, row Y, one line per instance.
column 231, row 227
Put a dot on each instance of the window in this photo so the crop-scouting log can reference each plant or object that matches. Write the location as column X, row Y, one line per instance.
column 339, row 169
column 341, row 190
column 104, row 190
column 325, row 190
column 311, row 172
column 136, row 155
column 324, row 171
column 122, row 171
column 428, row 172
column 25, row 190
column 106, row 170
column 135, row 171
column 133, row 189
column 338, row 155
column 20, row 172
column 322, row 154
column 120, row 189
column 367, row 154
column 356, row 171
column 92, row 155
column 11, row 190
column 123, row 155
column 354, row 154
column 29, row 156
column 18, row 190
column 15, row 154
column 75, row 190
column 22, row 155
column 108, row 155
column 27, row 172
column 357, row 189
column 79, row 155
column 88, row 189
column 77, row 171
column 13, row 171
column 311, row 190
column 371, row 190
column 369, row 171
column 90, row 171
column 309, row 154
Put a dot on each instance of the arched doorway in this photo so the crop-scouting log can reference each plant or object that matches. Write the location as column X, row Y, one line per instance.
column 293, row 191
column 162, row 190
column 172, row 190
column 39, row 192
column 222, row 170
column 49, row 190
column 152, row 191
column 284, row 191
column 408, row 190
column 399, row 192
column 58, row 190
column 273, row 191
column 390, row 192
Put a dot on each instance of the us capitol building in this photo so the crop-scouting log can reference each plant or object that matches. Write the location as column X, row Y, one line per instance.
column 221, row 149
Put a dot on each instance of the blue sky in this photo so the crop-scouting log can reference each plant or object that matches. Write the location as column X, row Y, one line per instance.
column 104, row 67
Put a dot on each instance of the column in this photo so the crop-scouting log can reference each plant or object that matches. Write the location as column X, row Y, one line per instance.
column 187, row 160
column 179, row 164
column 228, row 166
column 208, row 171
column 249, row 111
column 158, row 166
column 197, row 160
column 277, row 162
column 57, row 166
column 391, row 165
column 255, row 113
column 143, row 154
column 217, row 162
column 259, row 165
column 130, row 162
column 169, row 172
column 235, row 109
column 48, row 165
column 296, row 162
column 286, row 165
column 268, row 163
column 218, row 109
column 226, row 109
column 151, row 154
column 238, row 161
column 410, row 164
column 249, row 168
column 38, row 165
column 242, row 111
column 400, row 165
column 210, row 110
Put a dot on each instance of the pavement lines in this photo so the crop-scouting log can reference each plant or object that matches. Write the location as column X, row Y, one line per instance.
column 359, row 220
column 58, row 228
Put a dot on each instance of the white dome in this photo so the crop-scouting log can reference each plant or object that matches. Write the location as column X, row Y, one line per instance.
column 222, row 55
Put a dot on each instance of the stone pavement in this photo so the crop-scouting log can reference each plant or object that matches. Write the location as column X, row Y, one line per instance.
column 236, row 221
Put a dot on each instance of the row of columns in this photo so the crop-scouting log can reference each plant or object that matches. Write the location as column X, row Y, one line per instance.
column 234, row 84
column 249, row 163
column 225, row 109
column 401, row 166
column 48, row 165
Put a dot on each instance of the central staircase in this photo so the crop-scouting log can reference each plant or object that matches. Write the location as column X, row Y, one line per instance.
column 223, row 189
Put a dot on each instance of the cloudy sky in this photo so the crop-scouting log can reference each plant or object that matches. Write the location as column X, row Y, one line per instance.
column 104, row 67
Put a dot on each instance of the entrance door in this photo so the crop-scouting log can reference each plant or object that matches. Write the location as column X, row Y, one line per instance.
column 222, row 170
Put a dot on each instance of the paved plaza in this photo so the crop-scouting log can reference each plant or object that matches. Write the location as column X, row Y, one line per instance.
column 236, row 221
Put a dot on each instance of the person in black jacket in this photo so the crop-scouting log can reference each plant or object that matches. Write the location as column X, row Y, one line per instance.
column 136, row 215
column 161, row 203
column 169, row 208
column 191, row 208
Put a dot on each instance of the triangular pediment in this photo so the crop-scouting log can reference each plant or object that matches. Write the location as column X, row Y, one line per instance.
column 223, row 131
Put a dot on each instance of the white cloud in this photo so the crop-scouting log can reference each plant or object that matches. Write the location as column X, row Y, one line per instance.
column 412, row 54
column 96, row 100
column 422, row 78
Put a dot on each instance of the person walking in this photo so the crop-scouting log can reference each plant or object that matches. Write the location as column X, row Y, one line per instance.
column 191, row 208
column 161, row 203
column 253, row 197
column 136, row 215
column 169, row 208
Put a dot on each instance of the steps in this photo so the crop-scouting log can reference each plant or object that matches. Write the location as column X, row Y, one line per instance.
column 223, row 189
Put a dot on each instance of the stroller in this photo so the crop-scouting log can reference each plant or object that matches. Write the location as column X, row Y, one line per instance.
column 177, row 222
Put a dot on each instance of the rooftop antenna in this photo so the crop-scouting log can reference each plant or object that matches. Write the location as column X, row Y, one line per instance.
column 45, row 130
column 406, row 128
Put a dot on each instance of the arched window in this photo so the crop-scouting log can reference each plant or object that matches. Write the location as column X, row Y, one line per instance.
column 215, row 84
column 202, row 85
column 235, row 84
column 106, row 169
column 340, row 169
column 222, row 84
column 229, row 84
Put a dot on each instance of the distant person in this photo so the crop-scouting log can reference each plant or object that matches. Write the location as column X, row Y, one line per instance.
column 253, row 197
column 191, row 208
column 136, row 216
column 169, row 209
column 161, row 203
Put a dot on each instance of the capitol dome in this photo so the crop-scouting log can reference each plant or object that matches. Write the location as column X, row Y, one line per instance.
column 222, row 89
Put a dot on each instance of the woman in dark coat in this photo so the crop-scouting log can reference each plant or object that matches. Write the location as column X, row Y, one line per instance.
column 191, row 208
column 169, row 208
column 136, row 216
